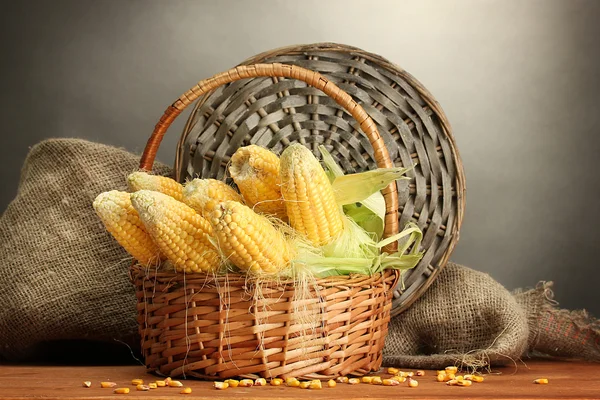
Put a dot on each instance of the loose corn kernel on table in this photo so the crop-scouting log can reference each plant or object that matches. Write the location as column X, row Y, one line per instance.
column 567, row 380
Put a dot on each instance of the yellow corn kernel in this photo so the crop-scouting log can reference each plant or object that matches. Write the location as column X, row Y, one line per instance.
column 136, row 382
column 107, row 384
column 123, row 223
column 276, row 382
column 413, row 383
column 260, row 382
column 451, row 370
column 541, row 381
column 309, row 197
column 342, row 379
column 152, row 385
column 366, row 379
column 420, row 373
column 167, row 380
column 331, row 383
column 459, row 378
column 204, row 194
column 255, row 171
column 161, row 383
column 353, row 381
column 392, row 371
column 450, row 376
column 142, row 388
column 180, row 233
column 304, row 384
column 144, row 181
column 249, row 240
column 398, row 378
column 175, row 384
column 452, row 382
column 376, row 380
column 246, row 383
column 440, row 372
column 188, row 390
column 463, row 383
column 315, row 384
column 409, row 374
column 87, row 384
column 441, row 377
column 290, row 380
column 232, row 382
column 224, row 385
column 390, row 382
column 473, row 378
column 121, row 391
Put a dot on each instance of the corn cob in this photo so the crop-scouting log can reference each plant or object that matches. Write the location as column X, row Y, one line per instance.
column 309, row 197
column 255, row 171
column 143, row 181
column 248, row 239
column 204, row 194
column 123, row 223
column 181, row 234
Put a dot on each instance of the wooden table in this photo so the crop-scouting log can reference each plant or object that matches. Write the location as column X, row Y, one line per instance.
column 568, row 380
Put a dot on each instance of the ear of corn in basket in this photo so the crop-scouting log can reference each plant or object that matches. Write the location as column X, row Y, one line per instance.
column 255, row 171
column 141, row 180
column 204, row 194
column 309, row 198
column 250, row 240
column 122, row 221
column 182, row 235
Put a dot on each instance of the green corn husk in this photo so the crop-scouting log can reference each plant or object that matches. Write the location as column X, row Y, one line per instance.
column 360, row 194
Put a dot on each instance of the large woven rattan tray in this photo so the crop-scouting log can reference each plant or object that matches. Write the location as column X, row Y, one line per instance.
column 274, row 112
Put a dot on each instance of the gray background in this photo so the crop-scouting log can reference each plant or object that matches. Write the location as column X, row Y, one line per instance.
column 519, row 80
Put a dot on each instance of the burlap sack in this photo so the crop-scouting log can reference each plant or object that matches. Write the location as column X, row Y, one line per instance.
column 465, row 318
column 62, row 277
column 468, row 319
column 557, row 332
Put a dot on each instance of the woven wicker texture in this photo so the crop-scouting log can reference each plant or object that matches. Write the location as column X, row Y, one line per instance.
column 220, row 327
column 274, row 112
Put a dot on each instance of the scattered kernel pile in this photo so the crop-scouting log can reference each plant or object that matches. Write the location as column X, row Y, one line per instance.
column 140, row 386
column 396, row 378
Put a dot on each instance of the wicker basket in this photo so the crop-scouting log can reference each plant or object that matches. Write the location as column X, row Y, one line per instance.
column 274, row 112
column 198, row 325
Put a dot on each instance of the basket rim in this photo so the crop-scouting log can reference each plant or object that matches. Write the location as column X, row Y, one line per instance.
column 139, row 271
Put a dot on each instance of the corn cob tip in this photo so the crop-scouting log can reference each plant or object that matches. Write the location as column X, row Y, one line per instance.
column 121, row 220
column 255, row 171
column 204, row 194
column 106, row 199
column 141, row 180
column 144, row 200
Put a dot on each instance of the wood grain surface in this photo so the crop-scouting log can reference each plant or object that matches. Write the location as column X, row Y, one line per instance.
column 567, row 380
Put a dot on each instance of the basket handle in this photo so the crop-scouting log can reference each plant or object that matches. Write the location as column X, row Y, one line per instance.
column 312, row 78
